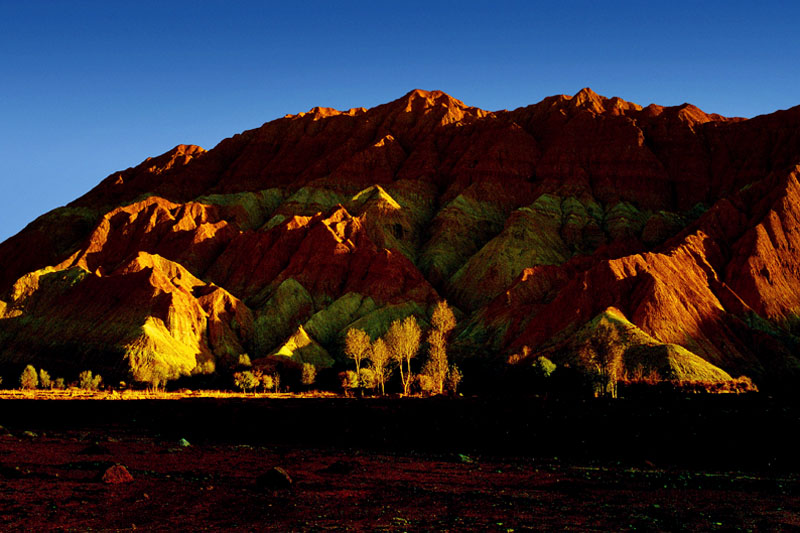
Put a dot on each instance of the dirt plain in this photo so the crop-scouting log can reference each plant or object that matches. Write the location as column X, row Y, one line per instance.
column 696, row 464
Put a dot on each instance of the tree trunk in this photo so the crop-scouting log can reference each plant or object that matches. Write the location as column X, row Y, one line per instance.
column 402, row 377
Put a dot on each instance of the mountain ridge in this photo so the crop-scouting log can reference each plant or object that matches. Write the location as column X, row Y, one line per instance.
column 531, row 222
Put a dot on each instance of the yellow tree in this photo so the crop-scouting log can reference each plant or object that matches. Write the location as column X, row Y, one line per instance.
column 443, row 318
column 356, row 346
column 403, row 341
column 443, row 322
column 379, row 356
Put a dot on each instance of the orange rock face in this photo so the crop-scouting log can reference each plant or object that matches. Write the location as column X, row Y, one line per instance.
column 532, row 222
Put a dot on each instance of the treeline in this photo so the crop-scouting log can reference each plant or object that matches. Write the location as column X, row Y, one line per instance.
column 375, row 361
column 31, row 379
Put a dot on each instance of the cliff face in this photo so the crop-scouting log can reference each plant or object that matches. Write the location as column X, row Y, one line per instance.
column 580, row 227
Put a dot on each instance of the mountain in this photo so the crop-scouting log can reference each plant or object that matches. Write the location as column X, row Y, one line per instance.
column 582, row 228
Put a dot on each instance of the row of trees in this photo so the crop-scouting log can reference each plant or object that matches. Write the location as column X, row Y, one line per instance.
column 397, row 348
column 375, row 362
column 247, row 380
column 31, row 379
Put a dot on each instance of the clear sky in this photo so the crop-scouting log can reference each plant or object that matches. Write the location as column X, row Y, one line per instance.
column 87, row 88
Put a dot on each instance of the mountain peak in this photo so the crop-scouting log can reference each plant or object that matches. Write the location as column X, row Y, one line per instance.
column 421, row 99
column 587, row 95
column 586, row 98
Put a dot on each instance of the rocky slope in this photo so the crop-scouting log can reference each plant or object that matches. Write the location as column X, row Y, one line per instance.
column 584, row 228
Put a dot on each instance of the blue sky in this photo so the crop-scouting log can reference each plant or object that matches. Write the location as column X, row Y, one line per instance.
column 87, row 88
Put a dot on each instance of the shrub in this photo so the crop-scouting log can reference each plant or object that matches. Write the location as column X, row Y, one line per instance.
column 59, row 384
column 427, row 383
column 517, row 358
column 29, row 379
column 87, row 381
column 368, row 379
column 348, row 380
column 743, row 384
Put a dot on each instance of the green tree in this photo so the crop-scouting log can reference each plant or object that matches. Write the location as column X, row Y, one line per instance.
column 605, row 366
column 308, row 374
column 245, row 380
column 403, row 341
column 44, row 379
column 543, row 367
column 380, row 357
column 266, row 382
column 29, row 379
column 356, row 346
column 87, row 381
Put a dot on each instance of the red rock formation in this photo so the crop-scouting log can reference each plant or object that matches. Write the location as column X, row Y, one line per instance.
column 533, row 221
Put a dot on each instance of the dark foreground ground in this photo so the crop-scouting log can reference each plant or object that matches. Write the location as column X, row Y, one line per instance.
column 713, row 463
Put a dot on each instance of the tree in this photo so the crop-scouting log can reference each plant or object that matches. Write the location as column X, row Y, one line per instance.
column 443, row 318
column 244, row 361
column 356, row 346
column 308, row 374
column 258, row 374
column 158, row 377
column 606, row 366
column 87, row 381
column 543, row 367
column 59, row 383
column 436, row 367
column 454, row 377
column 245, row 380
column 367, row 379
column 44, row 379
column 403, row 342
column 29, row 379
column 379, row 356
column 266, row 382
column 348, row 380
